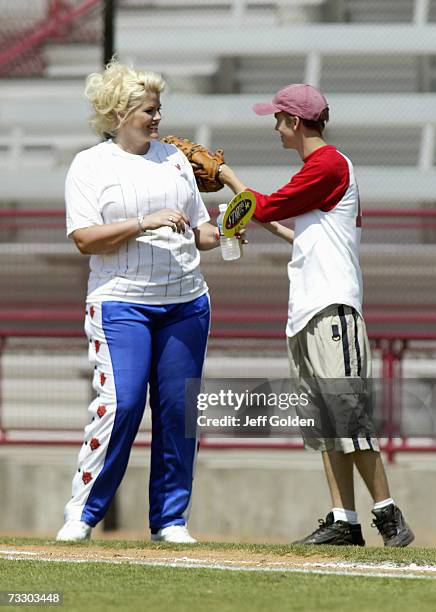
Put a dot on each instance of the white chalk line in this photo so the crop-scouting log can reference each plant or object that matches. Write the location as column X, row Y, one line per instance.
column 335, row 568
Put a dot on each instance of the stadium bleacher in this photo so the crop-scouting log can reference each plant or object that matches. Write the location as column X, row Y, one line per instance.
column 391, row 139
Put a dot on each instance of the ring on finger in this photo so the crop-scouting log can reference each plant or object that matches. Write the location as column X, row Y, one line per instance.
column 171, row 219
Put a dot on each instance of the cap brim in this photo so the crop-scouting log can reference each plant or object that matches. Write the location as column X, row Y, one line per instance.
column 265, row 109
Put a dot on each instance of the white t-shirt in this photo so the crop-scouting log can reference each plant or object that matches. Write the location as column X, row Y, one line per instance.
column 105, row 184
column 325, row 268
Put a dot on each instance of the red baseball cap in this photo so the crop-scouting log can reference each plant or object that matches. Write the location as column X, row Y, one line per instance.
column 300, row 100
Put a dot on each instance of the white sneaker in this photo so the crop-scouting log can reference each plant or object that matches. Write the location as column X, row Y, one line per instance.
column 74, row 531
column 178, row 534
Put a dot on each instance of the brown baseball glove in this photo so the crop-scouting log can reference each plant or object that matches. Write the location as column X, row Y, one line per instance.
column 205, row 163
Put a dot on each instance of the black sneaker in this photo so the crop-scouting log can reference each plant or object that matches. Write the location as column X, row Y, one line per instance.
column 339, row 533
column 392, row 526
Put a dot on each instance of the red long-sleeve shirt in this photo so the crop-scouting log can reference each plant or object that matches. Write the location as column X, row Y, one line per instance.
column 320, row 184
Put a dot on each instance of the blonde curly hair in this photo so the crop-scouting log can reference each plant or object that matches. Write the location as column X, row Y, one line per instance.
column 118, row 88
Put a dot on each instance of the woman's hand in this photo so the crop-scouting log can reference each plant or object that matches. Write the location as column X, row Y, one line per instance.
column 107, row 238
column 167, row 217
column 241, row 237
column 207, row 237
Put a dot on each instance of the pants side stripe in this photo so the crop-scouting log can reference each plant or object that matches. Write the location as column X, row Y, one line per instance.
column 357, row 345
column 368, row 439
column 345, row 342
column 356, row 443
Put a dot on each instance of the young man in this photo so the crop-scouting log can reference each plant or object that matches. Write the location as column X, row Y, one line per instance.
column 326, row 333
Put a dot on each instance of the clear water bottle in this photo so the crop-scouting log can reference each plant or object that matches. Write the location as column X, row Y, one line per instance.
column 229, row 246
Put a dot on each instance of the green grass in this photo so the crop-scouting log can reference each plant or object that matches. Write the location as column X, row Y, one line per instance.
column 374, row 554
column 101, row 587
column 104, row 586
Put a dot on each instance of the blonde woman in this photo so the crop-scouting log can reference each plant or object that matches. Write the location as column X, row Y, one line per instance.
column 133, row 205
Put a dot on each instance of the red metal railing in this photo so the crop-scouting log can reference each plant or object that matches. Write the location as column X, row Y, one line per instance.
column 12, row 219
column 393, row 213
column 222, row 314
column 391, row 345
column 59, row 17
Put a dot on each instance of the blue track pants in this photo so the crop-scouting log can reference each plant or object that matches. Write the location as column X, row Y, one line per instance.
column 132, row 346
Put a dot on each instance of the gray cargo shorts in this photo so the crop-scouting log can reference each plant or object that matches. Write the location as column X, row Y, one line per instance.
column 330, row 360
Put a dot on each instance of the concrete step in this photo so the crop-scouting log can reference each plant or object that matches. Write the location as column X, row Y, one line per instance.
column 129, row 19
column 52, row 390
column 356, row 74
column 374, row 11
column 60, row 367
column 347, row 73
column 183, row 74
column 72, row 60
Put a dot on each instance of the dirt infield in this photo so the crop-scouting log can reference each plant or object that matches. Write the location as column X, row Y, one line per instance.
column 213, row 559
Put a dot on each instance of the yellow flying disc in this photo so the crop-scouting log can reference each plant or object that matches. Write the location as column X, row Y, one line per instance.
column 239, row 211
